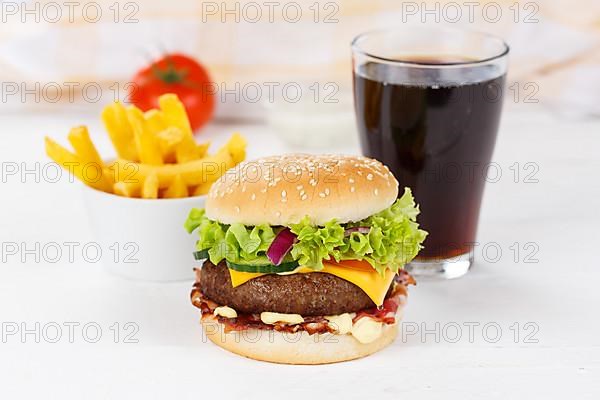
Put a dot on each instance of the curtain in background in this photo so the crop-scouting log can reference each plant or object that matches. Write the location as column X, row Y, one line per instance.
column 555, row 44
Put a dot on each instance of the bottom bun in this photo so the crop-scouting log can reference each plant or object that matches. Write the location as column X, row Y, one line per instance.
column 295, row 348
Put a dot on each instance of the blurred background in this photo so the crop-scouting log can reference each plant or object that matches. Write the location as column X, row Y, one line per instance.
column 282, row 71
column 57, row 56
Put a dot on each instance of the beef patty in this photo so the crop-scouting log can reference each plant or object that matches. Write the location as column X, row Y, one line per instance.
column 310, row 294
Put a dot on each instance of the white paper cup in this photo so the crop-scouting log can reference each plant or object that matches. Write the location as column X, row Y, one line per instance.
column 143, row 239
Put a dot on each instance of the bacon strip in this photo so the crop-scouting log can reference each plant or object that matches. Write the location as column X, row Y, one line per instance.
column 387, row 312
column 318, row 324
column 404, row 278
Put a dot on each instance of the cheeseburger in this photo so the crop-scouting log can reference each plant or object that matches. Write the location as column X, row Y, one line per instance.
column 303, row 258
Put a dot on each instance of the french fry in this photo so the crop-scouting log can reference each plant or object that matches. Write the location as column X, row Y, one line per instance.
column 236, row 146
column 90, row 174
column 202, row 149
column 79, row 138
column 108, row 175
column 171, row 136
column 177, row 189
column 146, row 143
column 154, row 121
column 201, row 189
column 126, row 189
column 117, row 125
column 174, row 113
column 150, row 187
column 157, row 153
column 187, row 150
column 193, row 173
column 168, row 140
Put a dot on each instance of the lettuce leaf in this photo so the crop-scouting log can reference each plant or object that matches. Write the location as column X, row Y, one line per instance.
column 394, row 239
column 235, row 242
column 316, row 244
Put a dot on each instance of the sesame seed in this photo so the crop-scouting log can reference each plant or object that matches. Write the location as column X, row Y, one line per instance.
column 370, row 177
column 237, row 209
column 322, row 194
column 326, row 191
column 351, row 180
column 283, row 193
column 253, row 196
column 299, row 187
column 376, row 191
column 304, row 197
column 352, row 189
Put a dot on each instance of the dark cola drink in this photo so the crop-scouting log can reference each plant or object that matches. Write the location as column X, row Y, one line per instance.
column 433, row 120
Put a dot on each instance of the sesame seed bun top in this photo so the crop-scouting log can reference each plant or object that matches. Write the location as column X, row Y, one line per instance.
column 281, row 190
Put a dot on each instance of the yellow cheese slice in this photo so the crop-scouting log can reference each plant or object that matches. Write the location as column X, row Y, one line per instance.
column 373, row 284
column 237, row 277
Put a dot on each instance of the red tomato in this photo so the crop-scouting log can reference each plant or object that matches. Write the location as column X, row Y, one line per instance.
column 179, row 74
column 360, row 265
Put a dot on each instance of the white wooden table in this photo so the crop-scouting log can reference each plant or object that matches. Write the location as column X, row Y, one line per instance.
column 527, row 329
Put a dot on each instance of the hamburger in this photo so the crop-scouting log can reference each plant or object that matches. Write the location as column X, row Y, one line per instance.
column 302, row 258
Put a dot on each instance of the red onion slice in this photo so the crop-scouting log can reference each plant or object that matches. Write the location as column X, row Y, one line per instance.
column 359, row 229
column 281, row 245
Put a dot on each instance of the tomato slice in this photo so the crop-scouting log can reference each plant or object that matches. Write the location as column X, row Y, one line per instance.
column 360, row 265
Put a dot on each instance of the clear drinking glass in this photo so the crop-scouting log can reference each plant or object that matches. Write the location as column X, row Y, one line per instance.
column 428, row 104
